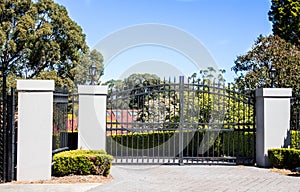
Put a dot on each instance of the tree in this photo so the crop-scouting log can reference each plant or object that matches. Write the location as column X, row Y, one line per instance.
column 252, row 68
column 132, row 82
column 132, row 87
column 59, row 81
column 81, row 72
column 210, row 74
column 285, row 16
column 37, row 36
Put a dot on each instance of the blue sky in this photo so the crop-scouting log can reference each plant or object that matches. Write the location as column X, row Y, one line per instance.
column 227, row 28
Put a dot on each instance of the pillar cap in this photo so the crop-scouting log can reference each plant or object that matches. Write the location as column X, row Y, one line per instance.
column 35, row 85
column 92, row 89
column 273, row 92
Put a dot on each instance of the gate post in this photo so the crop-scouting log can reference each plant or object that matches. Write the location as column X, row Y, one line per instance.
column 181, row 118
column 272, row 121
column 92, row 117
column 35, row 111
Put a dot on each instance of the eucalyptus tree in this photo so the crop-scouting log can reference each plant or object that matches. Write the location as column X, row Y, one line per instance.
column 38, row 37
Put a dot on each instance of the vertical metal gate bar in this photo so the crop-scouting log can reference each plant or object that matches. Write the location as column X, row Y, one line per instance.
column 181, row 118
column 9, row 139
column 195, row 114
column 12, row 120
column 11, row 136
column 7, row 122
column 219, row 116
column 14, row 138
column 253, row 100
column 4, row 105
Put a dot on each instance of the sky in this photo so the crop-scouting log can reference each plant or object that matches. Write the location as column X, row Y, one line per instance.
column 225, row 28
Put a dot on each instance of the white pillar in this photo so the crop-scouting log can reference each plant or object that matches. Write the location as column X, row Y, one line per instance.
column 92, row 117
column 35, row 111
column 272, row 121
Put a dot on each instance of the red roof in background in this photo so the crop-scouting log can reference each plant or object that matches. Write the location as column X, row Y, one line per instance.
column 122, row 117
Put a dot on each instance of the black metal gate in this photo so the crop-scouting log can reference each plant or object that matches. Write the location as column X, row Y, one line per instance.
column 294, row 141
column 60, row 119
column 7, row 136
column 185, row 122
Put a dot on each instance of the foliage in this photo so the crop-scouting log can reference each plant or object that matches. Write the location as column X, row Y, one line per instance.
column 221, row 104
column 157, row 103
column 39, row 36
column 82, row 162
column 141, row 140
column 133, row 81
column 214, row 105
column 55, row 141
column 210, row 74
column 285, row 16
column 239, row 109
column 284, row 157
column 280, row 50
column 79, row 75
column 140, row 80
column 253, row 67
column 82, row 75
column 295, row 139
column 131, row 87
column 226, row 144
column 59, row 81
column 204, row 102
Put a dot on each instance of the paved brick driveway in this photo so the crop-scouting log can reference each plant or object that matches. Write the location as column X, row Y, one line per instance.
column 197, row 178
column 175, row 179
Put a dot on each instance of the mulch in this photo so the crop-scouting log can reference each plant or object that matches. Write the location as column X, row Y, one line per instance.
column 286, row 172
column 71, row 179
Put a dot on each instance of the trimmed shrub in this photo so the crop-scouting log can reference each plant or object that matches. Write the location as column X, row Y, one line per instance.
column 295, row 139
column 284, row 158
column 82, row 162
column 226, row 144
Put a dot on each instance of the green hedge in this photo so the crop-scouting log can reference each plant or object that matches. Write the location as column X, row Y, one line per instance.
column 225, row 143
column 82, row 162
column 55, row 141
column 295, row 139
column 284, row 158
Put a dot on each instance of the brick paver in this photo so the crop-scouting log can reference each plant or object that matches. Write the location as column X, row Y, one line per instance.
column 197, row 178
column 177, row 178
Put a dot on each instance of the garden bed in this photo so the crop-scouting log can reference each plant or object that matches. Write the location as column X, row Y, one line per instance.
column 71, row 179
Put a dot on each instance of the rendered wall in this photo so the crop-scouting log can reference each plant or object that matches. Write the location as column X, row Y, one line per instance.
column 92, row 117
column 272, row 121
column 35, row 112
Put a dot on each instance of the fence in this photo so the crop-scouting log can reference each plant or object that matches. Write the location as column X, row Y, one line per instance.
column 190, row 121
column 73, row 121
column 7, row 134
column 60, row 118
column 295, row 123
column 65, row 124
column 73, row 112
